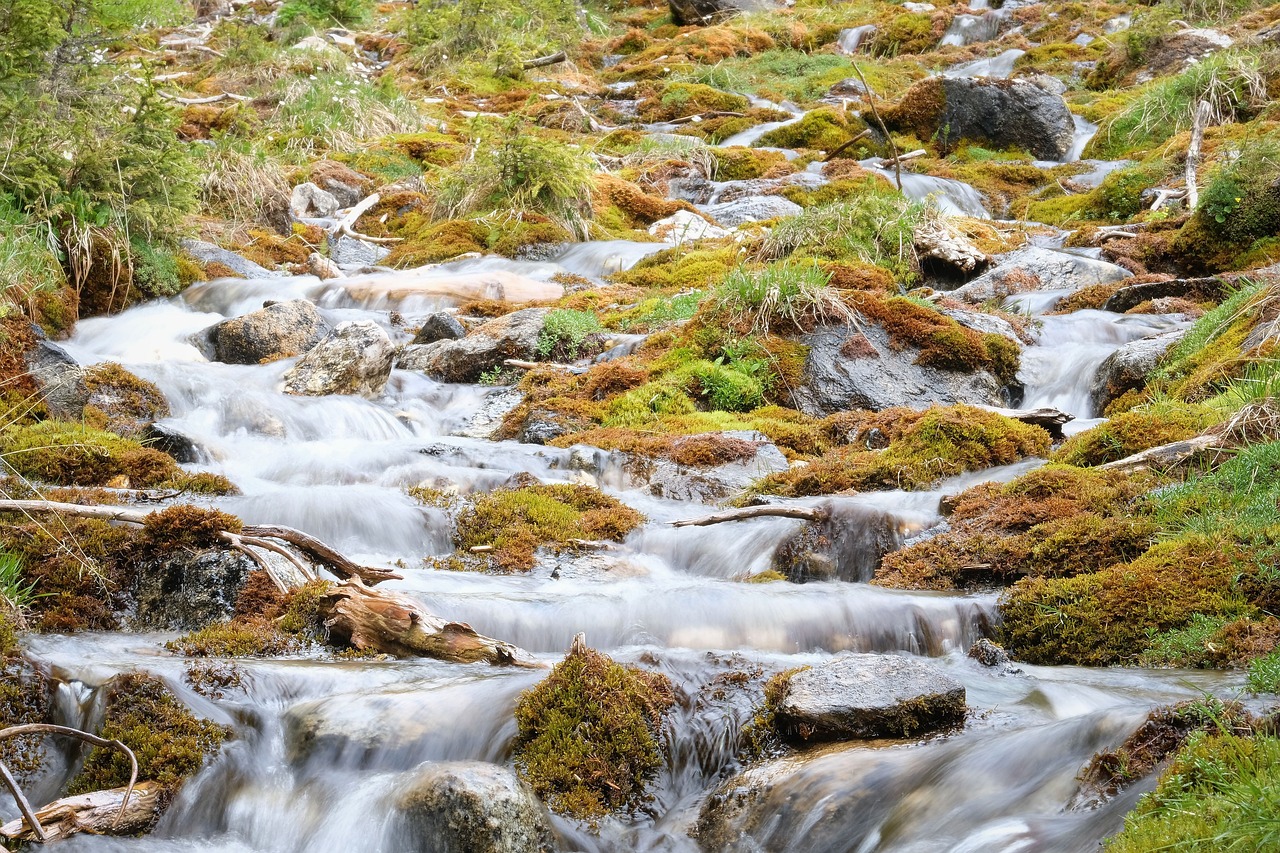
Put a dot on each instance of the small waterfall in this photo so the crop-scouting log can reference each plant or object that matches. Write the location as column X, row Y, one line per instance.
column 951, row 196
column 999, row 66
column 849, row 40
column 971, row 29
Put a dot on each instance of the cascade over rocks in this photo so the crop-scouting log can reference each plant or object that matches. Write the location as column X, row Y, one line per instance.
column 1032, row 268
column 472, row 806
column 868, row 696
column 1127, row 368
column 280, row 330
column 354, row 358
column 880, row 375
column 997, row 113
column 514, row 335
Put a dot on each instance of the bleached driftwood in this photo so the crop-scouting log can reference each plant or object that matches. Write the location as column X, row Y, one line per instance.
column 803, row 513
column 346, row 225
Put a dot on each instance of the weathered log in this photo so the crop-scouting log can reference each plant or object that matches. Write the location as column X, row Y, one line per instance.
column 936, row 241
column 543, row 61
column 346, row 225
column 1170, row 455
column 1203, row 114
column 803, row 513
column 1046, row 417
column 98, row 813
column 389, row 623
column 521, row 364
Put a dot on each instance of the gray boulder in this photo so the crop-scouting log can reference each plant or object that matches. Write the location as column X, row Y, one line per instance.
column 757, row 457
column 1213, row 289
column 1127, row 368
column 185, row 590
column 1032, row 268
column 696, row 12
column 348, row 252
column 354, row 358
column 465, row 359
column 471, row 807
column 280, row 330
column 878, row 373
column 752, row 209
column 996, row 113
column 441, row 326
column 498, row 403
column 207, row 253
column 868, row 696
column 308, row 201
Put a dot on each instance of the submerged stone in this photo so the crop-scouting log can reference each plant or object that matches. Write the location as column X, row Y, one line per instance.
column 471, row 806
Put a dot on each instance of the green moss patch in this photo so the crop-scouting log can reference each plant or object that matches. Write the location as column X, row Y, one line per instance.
column 588, row 737
column 1136, row 430
column 74, row 455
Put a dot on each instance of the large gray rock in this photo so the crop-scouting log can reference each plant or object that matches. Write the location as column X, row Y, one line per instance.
column 877, row 374
column 1213, row 289
column 1127, row 368
column 127, row 404
column 441, row 326
column 868, row 696
column 471, row 807
column 464, row 360
column 207, row 253
column 354, row 358
column 752, row 209
column 689, row 12
column 308, row 201
column 280, row 330
column 995, row 113
column 185, row 590
column 1032, row 268
column 665, row 478
column 348, row 252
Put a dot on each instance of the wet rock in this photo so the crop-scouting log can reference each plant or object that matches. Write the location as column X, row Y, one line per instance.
column 541, row 426
column 441, row 326
column 350, row 253
column 465, row 359
column 308, row 201
column 1127, row 368
column 354, row 358
column 1032, row 268
column 988, row 653
column 683, row 226
column 186, row 590
column 486, row 422
column 695, row 189
column 207, row 253
column 1213, row 289
column 868, row 696
column 761, row 187
column 885, row 375
column 695, row 12
column 757, row 457
column 59, row 376
column 168, row 440
column 471, row 807
column 987, row 324
column 752, row 209
column 280, row 330
column 323, row 268
column 992, row 112
column 847, row 545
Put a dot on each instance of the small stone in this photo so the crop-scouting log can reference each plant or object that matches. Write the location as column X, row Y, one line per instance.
column 441, row 326
column 308, row 201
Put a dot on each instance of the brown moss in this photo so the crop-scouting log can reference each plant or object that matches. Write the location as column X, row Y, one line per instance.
column 73, row 455
column 429, row 242
column 121, row 402
column 640, row 208
column 189, row 527
column 1136, row 430
column 16, row 340
column 170, row 743
column 588, row 736
column 614, row 377
column 266, row 623
column 25, row 695
column 711, row 450
column 919, row 110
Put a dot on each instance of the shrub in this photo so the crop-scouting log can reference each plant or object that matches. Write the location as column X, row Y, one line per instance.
column 876, row 227
column 565, row 334
column 794, row 295
column 446, row 31
column 587, row 737
column 514, row 171
column 325, row 13
column 1241, row 200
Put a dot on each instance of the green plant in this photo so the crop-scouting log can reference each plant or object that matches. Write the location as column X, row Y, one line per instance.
column 501, row 31
column 876, row 226
column 513, row 171
column 15, row 594
column 565, row 334
column 325, row 13
column 1264, row 674
column 793, row 294
column 339, row 111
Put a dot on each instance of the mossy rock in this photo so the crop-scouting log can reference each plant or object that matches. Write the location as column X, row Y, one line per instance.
column 745, row 164
column 75, row 455
column 516, row 522
column 1134, row 431
column 170, row 743
column 678, row 100
column 25, row 695
column 823, row 129
column 588, row 737
column 1109, row 616
column 427, row 242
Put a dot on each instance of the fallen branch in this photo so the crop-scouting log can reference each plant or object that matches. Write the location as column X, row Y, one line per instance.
column 866, row 131
column 389, row 623
column 346, row 225
column 1171, row 455
column 871, row 99
column 1204, row 112
column 703, row 116
column 35, row 824
column 521, row 364
column 212, row 99
column 304, row 543
column 543, row 61
column 1046, row 417
column 595, row 126
column 803, row 513
column 117, row 811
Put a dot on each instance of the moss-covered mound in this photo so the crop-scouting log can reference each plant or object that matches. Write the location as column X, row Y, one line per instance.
column 267, row 623
column 1134, row 431
column 923, row 448
column 1055, row 521
column 515, row 522
column 69, row 454
column 170, row 743
column 588, row 737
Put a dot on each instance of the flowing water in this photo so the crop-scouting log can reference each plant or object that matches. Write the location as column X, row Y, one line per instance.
column 324, row 749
